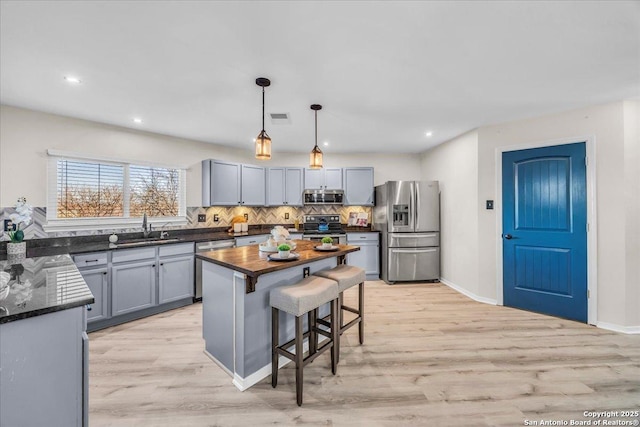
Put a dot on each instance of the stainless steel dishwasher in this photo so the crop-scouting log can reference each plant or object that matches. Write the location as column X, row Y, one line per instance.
column 206, row 247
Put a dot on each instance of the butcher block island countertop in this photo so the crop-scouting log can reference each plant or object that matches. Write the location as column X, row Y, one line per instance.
column 236, row 310
column 254, row 263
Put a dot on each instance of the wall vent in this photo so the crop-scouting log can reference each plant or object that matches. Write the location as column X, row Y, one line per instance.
column 280, row 118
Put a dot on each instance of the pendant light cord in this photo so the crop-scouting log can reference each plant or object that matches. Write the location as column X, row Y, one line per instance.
column 262, row 108
column 316, row 111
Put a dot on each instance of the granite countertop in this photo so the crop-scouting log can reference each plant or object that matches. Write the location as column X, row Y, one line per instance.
column 41, row 285
column 87, row 244
column 253, row 262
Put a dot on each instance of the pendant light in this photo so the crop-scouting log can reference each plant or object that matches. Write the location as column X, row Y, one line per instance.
column 315, row 157
column 263, row 142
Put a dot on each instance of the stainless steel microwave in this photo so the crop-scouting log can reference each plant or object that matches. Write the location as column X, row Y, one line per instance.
column 323, row 197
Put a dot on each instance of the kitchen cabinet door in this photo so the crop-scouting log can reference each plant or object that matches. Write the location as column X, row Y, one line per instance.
column 176, row 278
column 225, row 183
column 323, row 179
column 294, row 186
column 313, row 179
column 133, row 286
column 368, row 257
column 333, row 178
column 358, row 186
column 276, row 186
column 98, row 281
column 253, row 192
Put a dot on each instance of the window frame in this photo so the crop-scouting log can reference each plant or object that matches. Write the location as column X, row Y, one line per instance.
column 53, row 223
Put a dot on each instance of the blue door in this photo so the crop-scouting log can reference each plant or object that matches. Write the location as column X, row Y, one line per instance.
column 544, row 223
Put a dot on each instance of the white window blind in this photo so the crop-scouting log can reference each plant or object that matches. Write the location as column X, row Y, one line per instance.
column 89, row 193
column 89, row 190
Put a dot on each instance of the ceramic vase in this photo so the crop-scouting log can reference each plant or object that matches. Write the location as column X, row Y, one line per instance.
column 16, row 248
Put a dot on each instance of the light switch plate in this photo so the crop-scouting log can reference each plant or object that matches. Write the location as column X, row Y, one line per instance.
column 246, row 216
column 286, row 215
column 202, row 218
column 489, row 204
column 216, row 217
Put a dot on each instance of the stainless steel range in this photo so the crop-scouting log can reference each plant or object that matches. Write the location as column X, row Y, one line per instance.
column 316, row 227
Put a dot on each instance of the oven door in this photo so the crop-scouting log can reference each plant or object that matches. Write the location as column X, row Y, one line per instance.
column 341, row 239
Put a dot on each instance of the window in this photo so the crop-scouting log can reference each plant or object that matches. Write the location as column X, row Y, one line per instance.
column 104, row 193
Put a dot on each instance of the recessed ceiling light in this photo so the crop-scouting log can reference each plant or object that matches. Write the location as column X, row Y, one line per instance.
column 326, row 143
column 429, row 133
column 137, row 120
column 73, row 80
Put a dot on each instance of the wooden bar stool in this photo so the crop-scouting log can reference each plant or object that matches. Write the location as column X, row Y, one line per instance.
column 347, row 276
column 305, row 297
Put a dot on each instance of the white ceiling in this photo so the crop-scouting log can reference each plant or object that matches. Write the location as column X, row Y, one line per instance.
column 385, row 72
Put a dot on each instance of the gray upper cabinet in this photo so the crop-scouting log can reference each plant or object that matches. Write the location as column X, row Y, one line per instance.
column 232, row 184
column 284, row 186
column 358, row 186
column 253, row 186
column 323, row 179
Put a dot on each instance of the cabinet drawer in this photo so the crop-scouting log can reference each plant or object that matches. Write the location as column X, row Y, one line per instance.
column 179, row 249
column 124, row 255
column 90, row 260
column 360, row 237
column 251, row 240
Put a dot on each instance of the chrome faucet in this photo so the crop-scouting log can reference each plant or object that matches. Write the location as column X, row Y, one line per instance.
column 145, row 232
column 164, row 234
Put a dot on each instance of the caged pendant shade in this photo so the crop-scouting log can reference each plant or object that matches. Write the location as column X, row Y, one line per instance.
column 315, row 157
column 263, row 142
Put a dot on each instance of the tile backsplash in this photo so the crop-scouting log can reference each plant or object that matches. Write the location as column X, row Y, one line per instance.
column 257, row 215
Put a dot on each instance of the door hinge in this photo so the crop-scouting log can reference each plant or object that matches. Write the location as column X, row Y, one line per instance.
column 586, row 161
column 588, row 228
column 588, row 294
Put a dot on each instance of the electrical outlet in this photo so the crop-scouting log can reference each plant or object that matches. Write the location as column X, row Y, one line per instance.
column 216, row 217
column 286, row 215
column 489, row 204
column 202, row 218
column 305, row 272
column 246, row 216
column 8, row 225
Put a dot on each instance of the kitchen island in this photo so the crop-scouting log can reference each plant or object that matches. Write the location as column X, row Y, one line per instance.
column 236, row 315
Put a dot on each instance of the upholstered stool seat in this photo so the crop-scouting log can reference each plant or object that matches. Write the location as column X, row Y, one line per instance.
column 347, row 276
column 305, row 297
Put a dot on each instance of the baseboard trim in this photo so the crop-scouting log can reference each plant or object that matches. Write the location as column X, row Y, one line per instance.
column 465, row 292
column 630, row 330
column 244, row 383
column 217, row 362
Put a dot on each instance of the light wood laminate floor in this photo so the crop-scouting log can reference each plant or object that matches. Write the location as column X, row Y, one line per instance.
column 431, row 357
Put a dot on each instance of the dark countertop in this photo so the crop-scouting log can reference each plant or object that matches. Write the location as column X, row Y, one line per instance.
column 253, row 262
column 86, row 244
column 41, row 285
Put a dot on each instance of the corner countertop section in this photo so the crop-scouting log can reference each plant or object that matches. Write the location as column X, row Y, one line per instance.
column 42, row 285
column 252, row 262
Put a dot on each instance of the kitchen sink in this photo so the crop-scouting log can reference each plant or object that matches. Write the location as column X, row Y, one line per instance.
column 146, row 242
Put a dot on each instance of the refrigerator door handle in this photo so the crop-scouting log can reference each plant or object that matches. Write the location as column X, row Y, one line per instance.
column 412, row 251
column 416, row 206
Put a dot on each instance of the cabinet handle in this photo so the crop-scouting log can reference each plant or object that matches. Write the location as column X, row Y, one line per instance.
column 162, row 263
column 153, row 265
column 104, row 272
column 91, row 260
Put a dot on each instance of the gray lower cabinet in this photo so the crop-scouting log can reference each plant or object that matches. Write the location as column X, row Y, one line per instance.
column 251, row 240
column 98, row 281
column 133, row 286
column 44, row 370
column 175, row 278
column 131, row 283
column 368, row 257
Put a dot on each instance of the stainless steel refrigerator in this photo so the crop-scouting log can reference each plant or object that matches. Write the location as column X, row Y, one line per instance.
column 407, row 213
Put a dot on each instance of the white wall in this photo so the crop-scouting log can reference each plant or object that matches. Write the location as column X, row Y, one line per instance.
column 618, row 203
column 632, row 198
column 25, row 136
column 455, row 166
